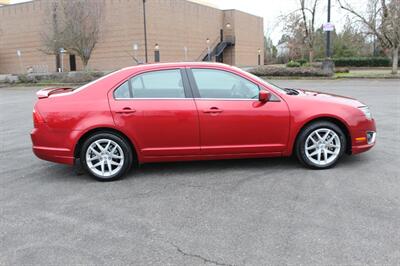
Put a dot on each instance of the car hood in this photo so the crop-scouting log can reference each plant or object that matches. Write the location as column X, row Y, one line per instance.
column 329, row 97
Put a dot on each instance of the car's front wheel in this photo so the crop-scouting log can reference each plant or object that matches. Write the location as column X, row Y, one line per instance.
column 320, row 145
column 106, row 156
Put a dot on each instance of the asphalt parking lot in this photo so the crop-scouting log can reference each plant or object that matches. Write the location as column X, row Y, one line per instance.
column 235, row 212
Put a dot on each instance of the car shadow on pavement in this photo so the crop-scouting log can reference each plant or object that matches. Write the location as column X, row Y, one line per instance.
column 214, row 167
column 355, row 160
column 194, row 167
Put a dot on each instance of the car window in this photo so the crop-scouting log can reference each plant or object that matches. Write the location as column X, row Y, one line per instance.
column 213, row 83
column 158, row 84
column 122, row 91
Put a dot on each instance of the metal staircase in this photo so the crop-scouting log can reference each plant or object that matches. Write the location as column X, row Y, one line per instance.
column 216, row 49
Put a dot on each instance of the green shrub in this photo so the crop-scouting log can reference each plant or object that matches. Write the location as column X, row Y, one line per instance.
column 361, row 61
column 65, row 77
column 25, row 78
column 274, row 71
column 342, row 70
column 301, row 61
column 292, row 63
column 315, row 64
column 78, row 77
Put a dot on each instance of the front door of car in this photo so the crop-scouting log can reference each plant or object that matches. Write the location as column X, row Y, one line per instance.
column 232, row 119
column 158, row 112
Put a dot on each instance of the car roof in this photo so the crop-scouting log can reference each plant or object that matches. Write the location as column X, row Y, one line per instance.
column 176, row 64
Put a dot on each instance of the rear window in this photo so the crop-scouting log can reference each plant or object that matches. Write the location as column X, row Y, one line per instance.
column 155, row 84
column 123, row 91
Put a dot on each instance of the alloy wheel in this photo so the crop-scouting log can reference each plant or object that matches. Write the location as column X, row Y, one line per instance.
column 104, row 157
column 322, row 146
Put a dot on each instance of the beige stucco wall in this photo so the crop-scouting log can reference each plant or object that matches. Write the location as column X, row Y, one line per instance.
column 20, row 27
column 172, row 24
column 122, row 26
column 249, row 37
column 178, row 24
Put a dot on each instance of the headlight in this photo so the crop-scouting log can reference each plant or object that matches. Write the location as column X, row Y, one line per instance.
column 366, row 112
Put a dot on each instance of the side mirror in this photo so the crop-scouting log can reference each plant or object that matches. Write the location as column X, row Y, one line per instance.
column 263, row 96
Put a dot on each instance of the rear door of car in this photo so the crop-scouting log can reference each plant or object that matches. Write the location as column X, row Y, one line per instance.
column 157, row 110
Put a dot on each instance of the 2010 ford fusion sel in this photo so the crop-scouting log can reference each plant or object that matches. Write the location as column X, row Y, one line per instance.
column 193, row 111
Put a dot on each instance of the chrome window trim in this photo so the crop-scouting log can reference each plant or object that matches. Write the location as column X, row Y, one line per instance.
column 205, row 99
column 236, row 99
column 122, row 99
column 227, row 99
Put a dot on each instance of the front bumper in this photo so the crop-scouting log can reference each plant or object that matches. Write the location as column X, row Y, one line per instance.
column 364, row 138
column 361, row 148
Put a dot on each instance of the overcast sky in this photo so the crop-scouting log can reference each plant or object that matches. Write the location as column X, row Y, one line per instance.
column 271, row 10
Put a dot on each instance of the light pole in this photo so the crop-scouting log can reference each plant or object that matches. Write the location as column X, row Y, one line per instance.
column 328, row 33
column 208, row 50
column 259, row 56
column 156, row 53
column 328, row 65
column 145, row 30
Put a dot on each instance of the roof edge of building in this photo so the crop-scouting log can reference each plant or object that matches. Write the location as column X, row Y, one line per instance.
column 238, row 10
column 17, row 4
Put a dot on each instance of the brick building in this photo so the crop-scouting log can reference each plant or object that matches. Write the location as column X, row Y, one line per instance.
column 179, row 27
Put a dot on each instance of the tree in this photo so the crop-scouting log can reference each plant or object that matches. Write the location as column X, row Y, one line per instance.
column 52, row 37
column 294, row 36
column 308, row 12
column 75, row 26
column 349, row 42
column 300, row 26
column 382, row 19
column 270, row 51
column 82, row 20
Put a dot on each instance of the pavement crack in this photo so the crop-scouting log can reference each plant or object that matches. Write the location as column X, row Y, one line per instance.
column 205, row 260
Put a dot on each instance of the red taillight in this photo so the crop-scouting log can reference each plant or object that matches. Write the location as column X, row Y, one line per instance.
column 37, row 118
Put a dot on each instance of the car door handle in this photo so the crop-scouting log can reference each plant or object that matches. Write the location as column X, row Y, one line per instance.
column 212, row 110
column 126, row 110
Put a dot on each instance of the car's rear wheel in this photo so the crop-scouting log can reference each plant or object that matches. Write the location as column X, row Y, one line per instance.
column 320, row 145
column 106, row 156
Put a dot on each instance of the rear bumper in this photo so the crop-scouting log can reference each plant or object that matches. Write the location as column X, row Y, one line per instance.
column 58, row 155
column 53, row 145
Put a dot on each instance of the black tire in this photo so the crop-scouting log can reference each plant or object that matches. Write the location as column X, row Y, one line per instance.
column 124, row 145
column 300, row 149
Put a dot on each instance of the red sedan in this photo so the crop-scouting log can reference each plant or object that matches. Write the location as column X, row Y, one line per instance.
column 193, row 111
